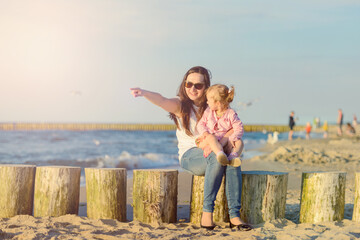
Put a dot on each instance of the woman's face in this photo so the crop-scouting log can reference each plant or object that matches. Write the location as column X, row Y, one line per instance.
column 195, row 86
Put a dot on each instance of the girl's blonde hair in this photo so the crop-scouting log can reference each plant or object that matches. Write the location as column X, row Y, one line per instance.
column 221, row 93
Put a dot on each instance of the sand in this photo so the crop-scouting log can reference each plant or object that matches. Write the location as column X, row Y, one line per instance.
column 295, row 157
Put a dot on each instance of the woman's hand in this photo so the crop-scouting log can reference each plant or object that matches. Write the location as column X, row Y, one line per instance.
column 137, row 92
column 171, row 105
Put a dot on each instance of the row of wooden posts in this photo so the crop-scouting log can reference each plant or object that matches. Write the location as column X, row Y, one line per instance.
column 125, row 127
column 54, row 191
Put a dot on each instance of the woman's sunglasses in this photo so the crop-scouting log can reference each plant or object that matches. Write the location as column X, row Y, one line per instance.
column 198, row 86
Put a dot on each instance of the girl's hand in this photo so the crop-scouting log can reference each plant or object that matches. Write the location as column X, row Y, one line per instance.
column 137, row 92
column 205, row 134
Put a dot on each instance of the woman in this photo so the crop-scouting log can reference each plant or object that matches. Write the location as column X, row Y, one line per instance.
column 186, row 110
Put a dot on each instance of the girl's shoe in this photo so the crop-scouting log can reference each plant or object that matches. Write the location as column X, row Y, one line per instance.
column 222, row 158
column 234, row 159
column 235, row 162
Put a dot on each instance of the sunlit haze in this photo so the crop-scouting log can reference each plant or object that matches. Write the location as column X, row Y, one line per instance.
column 74, row 61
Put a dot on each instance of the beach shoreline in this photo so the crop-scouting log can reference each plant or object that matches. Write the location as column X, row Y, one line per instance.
column 294, row 157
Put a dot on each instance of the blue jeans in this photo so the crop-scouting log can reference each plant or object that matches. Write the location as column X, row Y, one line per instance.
column 194, row 162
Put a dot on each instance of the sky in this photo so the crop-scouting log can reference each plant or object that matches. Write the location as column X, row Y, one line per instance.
column 75, row 61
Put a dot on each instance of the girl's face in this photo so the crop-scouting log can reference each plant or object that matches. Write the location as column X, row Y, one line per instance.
column 213, row 104
column 195, row 86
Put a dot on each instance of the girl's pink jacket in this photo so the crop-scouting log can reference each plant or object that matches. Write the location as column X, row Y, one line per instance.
column 219, row 127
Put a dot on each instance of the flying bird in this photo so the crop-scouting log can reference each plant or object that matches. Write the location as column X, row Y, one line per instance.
column 244, row 105
column 76, row 93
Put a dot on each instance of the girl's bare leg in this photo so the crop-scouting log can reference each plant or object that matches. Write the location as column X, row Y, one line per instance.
column 239, row 146
column 229, row 148
column 217, row 149
column 213, row 143
column 210, row 144
column 225, row 142
column 235, row 152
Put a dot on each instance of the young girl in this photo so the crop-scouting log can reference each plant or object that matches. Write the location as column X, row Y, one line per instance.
column 216, row 121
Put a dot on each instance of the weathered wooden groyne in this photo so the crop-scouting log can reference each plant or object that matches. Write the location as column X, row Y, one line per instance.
column 50, row 191
column 124, row 127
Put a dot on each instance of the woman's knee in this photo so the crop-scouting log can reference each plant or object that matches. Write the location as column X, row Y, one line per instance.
column 193, row 162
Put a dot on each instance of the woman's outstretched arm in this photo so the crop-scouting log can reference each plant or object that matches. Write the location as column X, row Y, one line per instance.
column 171, row 105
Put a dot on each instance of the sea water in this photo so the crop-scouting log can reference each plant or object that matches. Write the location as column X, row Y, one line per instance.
column 103, row 149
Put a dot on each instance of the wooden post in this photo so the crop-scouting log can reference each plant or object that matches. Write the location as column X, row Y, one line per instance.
column 322, row 197
column 106, row 193
column 356, row 212
column 57, row 190
column 221, row 212
column 155, row 195
column 16, row 190
column 263, row 196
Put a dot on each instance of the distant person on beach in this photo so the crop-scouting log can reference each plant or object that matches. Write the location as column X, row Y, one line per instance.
column 308, row 130
column 340, row 121
column 350, row 130
column 317, row 120
column 326, row 129
column 186, row 110
column 216, row 121
column 354, row 121
column 314, row 123
column 291, row 125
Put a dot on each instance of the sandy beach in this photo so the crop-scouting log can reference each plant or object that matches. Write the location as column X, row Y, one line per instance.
column 294, row 157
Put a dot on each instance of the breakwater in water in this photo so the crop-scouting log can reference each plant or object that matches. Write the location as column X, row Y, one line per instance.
column 125, row 127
